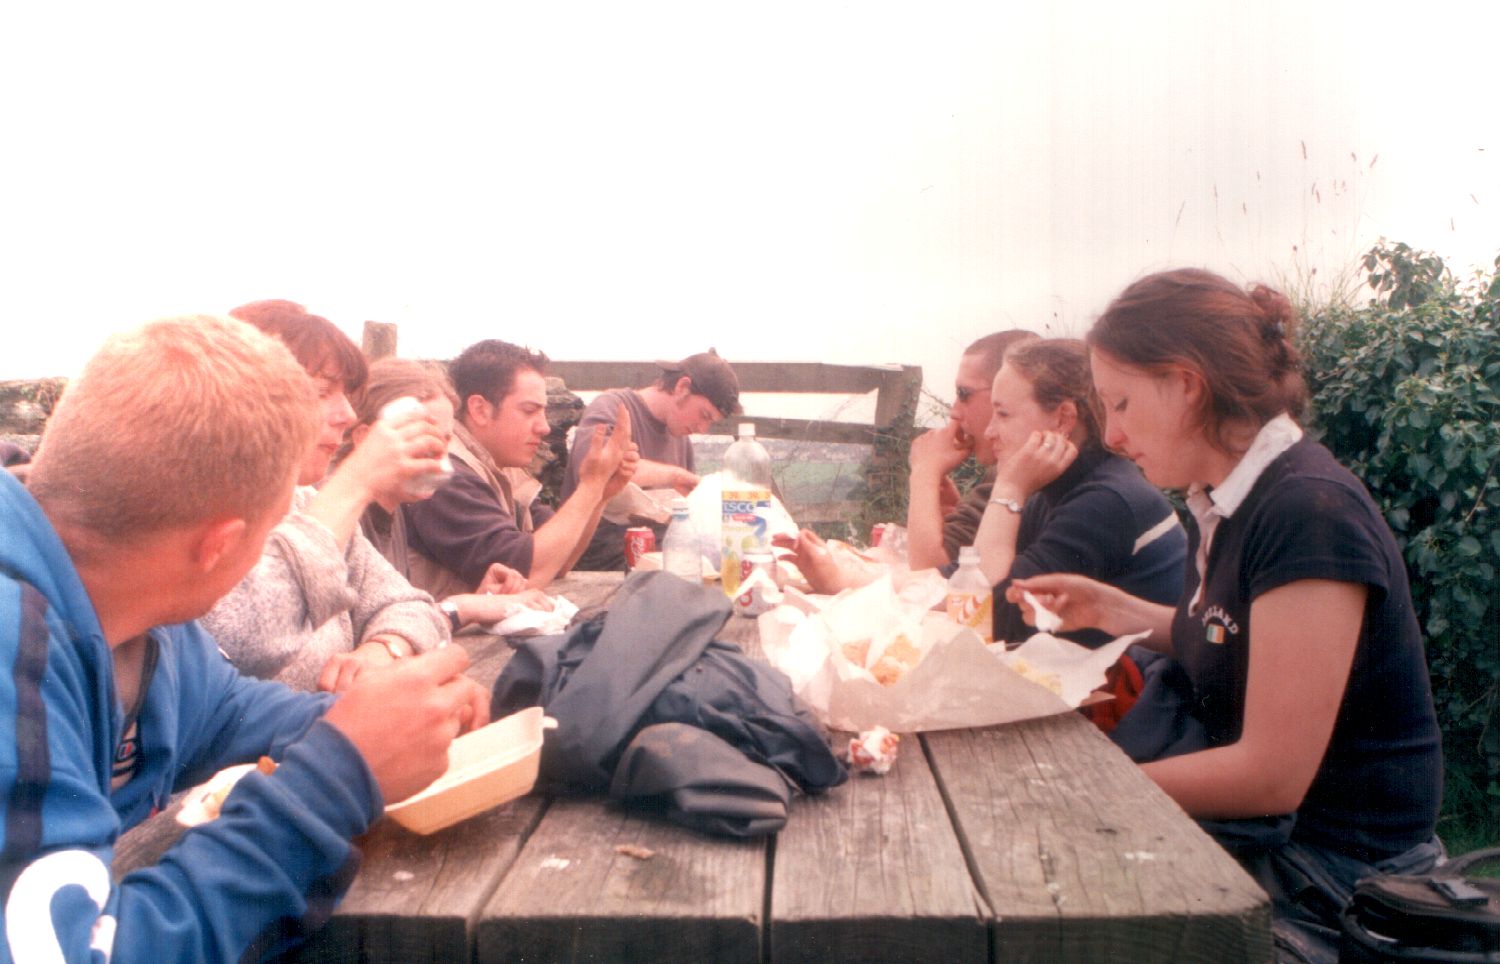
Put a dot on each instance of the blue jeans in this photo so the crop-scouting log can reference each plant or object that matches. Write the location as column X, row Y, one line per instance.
column 1309, row 886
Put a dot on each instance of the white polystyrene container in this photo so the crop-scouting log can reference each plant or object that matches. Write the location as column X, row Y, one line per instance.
column 486, row 768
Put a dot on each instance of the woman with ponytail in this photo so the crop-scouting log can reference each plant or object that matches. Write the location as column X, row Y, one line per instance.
column 1306, row 739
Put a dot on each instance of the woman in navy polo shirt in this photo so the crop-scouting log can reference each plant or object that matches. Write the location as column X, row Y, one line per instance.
column 1309, row 694
column 1059, row 501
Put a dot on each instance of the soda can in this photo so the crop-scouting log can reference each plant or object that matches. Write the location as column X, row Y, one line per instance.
column 877, row 532
column 639, row 540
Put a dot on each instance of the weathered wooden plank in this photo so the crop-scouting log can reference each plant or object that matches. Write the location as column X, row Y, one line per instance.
column 897, row 402
column 753, row 376
column 587, row 590
column 572, row 897
column 379, row 340
column 798, row 429
column 1082, row 858
column 416, row 897
column 872, row 870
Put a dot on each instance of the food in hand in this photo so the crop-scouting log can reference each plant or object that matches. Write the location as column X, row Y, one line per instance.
column 962, row 441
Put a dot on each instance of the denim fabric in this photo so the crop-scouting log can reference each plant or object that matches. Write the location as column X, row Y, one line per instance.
column 1309, row 886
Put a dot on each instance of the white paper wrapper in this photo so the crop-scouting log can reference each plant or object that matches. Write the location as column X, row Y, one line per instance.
column 1047, row 621
column 537, row 622
column 958, row 682
column 201, row 804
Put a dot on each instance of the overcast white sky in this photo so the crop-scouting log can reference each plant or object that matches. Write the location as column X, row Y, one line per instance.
column 837, row 182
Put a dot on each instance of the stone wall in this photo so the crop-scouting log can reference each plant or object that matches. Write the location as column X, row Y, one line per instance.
column 24, row 408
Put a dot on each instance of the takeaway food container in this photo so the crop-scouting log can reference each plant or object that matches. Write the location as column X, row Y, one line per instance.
column 486, row 768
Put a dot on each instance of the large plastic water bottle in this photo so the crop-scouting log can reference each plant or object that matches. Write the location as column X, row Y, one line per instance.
column 971, row 599
column 679, row 548
column 746, row 504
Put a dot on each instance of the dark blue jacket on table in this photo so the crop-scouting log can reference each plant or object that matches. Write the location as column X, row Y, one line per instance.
column 655, row 710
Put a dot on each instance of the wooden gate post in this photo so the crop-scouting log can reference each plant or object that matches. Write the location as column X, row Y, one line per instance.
column 379, row 340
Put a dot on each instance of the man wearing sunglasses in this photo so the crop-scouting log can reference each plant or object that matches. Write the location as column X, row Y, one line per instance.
column 938, row 520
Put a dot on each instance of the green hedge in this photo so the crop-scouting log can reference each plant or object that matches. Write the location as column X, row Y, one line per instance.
column 1404, row 392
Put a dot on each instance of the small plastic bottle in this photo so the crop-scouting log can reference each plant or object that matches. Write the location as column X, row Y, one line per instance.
column 970, row 596
column 746, row 506
column 679, row 548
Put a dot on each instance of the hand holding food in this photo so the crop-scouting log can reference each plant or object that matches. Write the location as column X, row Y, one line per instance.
column 1076, row 602
column 828, row 567
column 402, row 717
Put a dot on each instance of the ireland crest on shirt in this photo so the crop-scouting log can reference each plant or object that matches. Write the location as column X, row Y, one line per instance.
column 1218, row 626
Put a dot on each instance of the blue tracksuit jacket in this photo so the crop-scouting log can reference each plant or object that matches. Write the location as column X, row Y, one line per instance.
column 227, row 890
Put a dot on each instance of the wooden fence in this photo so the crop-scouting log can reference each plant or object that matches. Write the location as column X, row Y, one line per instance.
column 897, row 388
column 25, row 405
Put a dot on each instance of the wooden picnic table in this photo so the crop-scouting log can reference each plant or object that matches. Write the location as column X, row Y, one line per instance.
column 1031, row 841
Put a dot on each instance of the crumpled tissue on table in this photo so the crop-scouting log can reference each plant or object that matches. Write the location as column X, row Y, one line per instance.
column 537, row 622
column 958, row 681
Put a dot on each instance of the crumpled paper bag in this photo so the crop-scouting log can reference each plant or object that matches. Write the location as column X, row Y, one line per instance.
column 537, row 622
column 959, row 682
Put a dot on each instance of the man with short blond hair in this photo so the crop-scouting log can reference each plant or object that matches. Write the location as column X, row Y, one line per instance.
column 166, row 463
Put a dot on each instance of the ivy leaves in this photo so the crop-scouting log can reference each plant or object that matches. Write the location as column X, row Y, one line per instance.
column 1404, row 392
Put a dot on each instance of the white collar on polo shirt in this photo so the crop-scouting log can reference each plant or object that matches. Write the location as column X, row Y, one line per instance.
column 1209, row 505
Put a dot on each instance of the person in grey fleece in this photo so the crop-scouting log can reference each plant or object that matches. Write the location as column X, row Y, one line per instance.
column 323, row 604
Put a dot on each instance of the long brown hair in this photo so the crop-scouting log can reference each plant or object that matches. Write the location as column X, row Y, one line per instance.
column 1058, row 369
column 314, row 341
column 393, row 378
column 1239, row 342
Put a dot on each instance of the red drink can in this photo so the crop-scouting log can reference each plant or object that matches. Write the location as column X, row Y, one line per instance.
column 877, row 532
column 639, row 540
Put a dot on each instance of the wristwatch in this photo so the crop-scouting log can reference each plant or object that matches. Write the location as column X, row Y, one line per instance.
column 1010, row 504
column 450, row 609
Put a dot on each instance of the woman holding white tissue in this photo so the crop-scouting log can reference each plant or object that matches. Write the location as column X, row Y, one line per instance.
column 503, row 590
column 1317, row 756
column 1060, row 502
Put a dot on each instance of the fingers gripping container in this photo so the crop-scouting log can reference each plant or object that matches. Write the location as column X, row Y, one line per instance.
column 488, row 767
